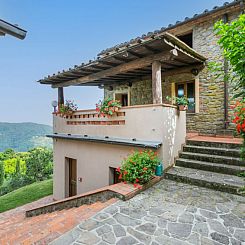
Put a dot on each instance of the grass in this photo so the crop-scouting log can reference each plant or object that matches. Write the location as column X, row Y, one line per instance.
column 26, row 194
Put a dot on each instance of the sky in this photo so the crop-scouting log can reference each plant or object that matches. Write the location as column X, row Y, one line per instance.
column 64, row 33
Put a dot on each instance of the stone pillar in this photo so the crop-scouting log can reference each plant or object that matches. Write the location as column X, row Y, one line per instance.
column 156, row 82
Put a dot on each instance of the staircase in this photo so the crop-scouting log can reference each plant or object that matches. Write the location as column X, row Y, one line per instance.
column 209, row 164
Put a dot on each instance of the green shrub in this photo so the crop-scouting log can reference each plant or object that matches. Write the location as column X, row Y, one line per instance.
column 18, row 181
column 39, row 164
column 139, row 167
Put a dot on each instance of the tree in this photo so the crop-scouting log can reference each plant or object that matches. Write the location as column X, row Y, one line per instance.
column 7, row 154
column 39, row 164
column 231, row 40
column 1, row 173
column 17, row 167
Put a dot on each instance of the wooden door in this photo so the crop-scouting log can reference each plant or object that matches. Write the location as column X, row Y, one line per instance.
column 72, row 177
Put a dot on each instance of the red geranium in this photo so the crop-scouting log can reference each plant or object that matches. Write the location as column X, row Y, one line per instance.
column 239, row 117
column 139, row 167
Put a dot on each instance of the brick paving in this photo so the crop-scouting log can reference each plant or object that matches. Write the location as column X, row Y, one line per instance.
column 168, row 213
column 15, row 228
column 231, row 140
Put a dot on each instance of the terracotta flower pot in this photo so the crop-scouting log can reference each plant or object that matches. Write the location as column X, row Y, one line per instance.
column 183, row 107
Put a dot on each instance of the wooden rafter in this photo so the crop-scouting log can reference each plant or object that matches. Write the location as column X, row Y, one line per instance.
column 132, row 65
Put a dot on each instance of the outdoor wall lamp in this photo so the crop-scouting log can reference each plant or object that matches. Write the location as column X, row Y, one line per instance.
column 55, row 104
column 110, row 88
column 195, row 71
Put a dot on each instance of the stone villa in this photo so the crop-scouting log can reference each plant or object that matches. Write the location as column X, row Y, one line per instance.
column 141, row 73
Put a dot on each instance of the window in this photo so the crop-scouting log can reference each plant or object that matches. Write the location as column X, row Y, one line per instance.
column 187, row 39
column 123, row 98
column 187, row 89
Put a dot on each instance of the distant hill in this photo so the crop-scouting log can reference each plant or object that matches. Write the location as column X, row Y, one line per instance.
column 24, row 136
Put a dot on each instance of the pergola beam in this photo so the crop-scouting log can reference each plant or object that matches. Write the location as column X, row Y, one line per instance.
column 130, row 66
column 135, row 54
column 153, row 50
column 108, row 63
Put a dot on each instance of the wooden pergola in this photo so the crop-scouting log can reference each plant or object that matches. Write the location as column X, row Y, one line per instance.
column 13, row 30
column 150, row 58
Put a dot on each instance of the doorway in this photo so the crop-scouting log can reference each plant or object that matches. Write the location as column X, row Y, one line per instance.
column 123, row 98
column 72, row 174
column 113, row 176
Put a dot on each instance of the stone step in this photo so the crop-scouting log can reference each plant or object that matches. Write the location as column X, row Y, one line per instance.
column 212, row 158
column 225, row 132
column 212, row 150
column 213, row 144
column 216, row 181
column 212, row 167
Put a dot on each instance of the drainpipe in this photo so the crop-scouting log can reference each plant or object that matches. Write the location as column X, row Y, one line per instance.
column 242, row 4
column 226, row 92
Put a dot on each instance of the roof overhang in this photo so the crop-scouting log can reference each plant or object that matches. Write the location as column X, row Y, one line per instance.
column 108, row 140
column 132, row 62
column 7, row 28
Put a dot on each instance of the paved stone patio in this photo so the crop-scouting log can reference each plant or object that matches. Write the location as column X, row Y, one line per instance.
column 168, row 213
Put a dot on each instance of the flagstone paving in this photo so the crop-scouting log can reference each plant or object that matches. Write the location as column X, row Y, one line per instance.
column 168, row 213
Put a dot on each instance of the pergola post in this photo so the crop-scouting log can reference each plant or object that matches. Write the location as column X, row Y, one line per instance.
column 60, row 96
column 156, row 82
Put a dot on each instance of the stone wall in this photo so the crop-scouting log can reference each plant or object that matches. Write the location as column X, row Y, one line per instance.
column 210, row 117
column 140, row 92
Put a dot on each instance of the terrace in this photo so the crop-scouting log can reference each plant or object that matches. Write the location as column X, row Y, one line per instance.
column 152, row 58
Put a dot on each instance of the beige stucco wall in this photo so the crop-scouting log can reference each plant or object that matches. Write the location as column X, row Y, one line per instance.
column 93, row 162
column 151, row 123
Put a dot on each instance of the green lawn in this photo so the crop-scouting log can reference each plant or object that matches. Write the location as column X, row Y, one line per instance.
column 26, row 194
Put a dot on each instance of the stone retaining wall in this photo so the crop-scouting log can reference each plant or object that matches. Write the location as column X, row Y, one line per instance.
column 121, row 191
column 77, row 201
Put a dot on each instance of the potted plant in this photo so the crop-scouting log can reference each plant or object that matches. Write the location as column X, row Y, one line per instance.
column 181, row 102
column 68, row 108
column 108, row 107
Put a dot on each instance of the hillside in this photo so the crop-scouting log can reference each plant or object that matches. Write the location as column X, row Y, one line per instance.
column 24, row 136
